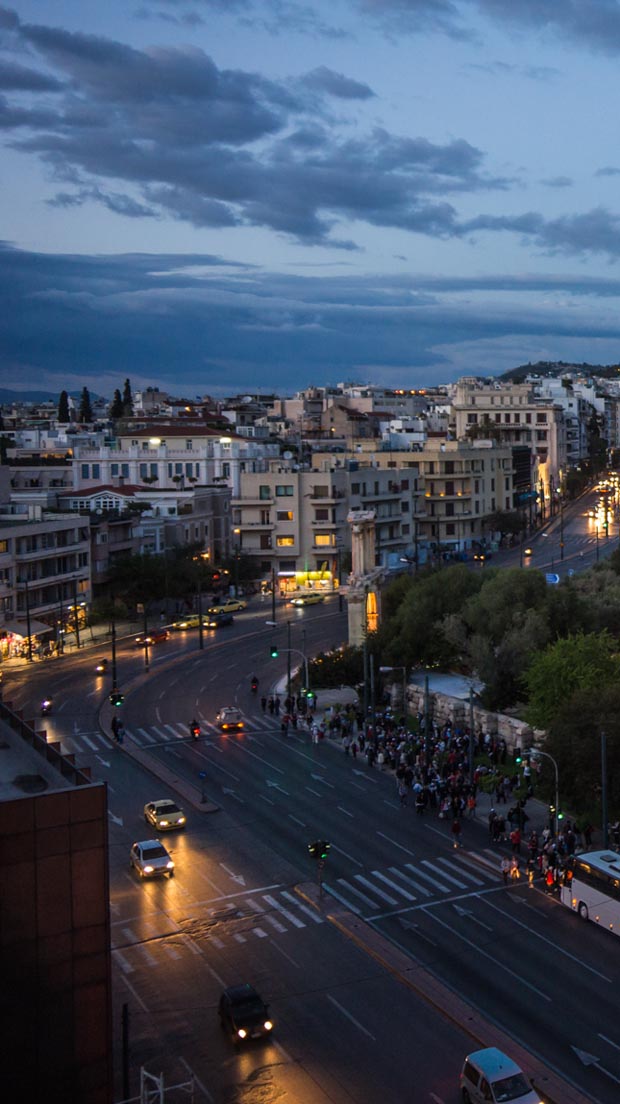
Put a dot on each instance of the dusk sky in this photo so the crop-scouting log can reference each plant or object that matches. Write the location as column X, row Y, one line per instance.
column 222, row 196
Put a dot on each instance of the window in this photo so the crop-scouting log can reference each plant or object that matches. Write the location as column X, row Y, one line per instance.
column 449, row 467
column 450, row 487
column 265, row 517
column 285, row 542
column 324, row 540
column 528, row 419
column 4, row 545
column 283, row 515
column 143, row 471
column 321, row 514
column 404, row 484
column 263, row 491
column 226, row 469
column 265, row 541
column 113, row 469
column 189, row 445
column 541, row 419
column 178, row 469
column 189, row 469
column 507, row 418
column 404, row 507
column 284, row 490
column 125, row 471
column 153, row 468
column 85, row 471
column 498, row 418
column 472, row 419
column 322, row 491
column 355, row 488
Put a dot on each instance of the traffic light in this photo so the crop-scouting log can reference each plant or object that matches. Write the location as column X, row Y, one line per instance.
column 310, row 696
column 319, row 849
column 274, row 651
column 116, row 698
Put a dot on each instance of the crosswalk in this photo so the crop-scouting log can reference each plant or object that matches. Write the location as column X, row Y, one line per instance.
column 163, row 734
column 256, row 915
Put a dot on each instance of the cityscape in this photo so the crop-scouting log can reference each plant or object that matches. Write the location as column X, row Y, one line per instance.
column 309, row 552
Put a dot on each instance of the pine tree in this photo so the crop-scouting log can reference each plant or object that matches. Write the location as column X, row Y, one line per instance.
column 63, row 407
column 116, row 409
column 86, row 410
column 127, row 400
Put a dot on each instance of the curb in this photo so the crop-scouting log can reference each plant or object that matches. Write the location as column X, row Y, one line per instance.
column 439, row 996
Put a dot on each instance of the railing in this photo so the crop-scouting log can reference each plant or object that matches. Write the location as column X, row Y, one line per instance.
column 79, row 776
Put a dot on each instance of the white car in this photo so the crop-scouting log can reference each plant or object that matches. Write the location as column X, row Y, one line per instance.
column 164, row 815
column 150, row 859
column 229, row 719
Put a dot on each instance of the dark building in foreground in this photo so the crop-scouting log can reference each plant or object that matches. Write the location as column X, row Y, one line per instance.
column 55, row 975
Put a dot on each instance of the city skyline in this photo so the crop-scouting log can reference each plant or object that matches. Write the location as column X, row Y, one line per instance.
column 247, row 195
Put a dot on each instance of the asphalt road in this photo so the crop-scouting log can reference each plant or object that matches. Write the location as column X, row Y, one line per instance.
column 345, row 1029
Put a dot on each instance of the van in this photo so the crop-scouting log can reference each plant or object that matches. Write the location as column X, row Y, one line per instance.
column 491, row 1077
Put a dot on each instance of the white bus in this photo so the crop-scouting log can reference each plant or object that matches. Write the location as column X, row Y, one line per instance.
column 591, row 887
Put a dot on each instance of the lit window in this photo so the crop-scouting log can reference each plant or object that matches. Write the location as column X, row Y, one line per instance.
column 285, row 542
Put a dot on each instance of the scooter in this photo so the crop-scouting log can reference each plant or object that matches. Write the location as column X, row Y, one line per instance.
column 101, row 667
column 254, row 684
column 194, row 730
column 46, row 707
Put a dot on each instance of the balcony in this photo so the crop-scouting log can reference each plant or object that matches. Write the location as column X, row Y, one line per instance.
column 252, row 526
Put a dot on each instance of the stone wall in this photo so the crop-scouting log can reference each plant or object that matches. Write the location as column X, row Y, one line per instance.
column 443, row 708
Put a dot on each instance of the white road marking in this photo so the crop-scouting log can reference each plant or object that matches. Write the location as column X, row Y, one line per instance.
column 351, row 1018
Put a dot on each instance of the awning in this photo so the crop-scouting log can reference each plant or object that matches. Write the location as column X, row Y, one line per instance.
column 20, row 628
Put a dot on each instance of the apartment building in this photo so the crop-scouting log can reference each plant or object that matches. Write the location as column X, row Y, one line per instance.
column 294, row 522
column 462, row 483
column 513, row 414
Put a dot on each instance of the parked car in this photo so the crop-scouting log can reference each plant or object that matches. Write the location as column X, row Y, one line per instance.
column 216, row 620
column 307, row 599
column 164, row 815
column 229, row 719
column 150, row 859
column 156, row 636
column 243, row 1013
column 229, row 605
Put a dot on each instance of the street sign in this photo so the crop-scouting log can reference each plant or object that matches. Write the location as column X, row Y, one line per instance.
column 552, row 578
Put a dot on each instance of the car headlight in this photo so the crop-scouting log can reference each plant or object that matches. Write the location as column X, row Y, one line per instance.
column 163, row 823
column 241, row 1032
column 148, row 869
column 170, row 865
column 268, row 1025
column 181, row 820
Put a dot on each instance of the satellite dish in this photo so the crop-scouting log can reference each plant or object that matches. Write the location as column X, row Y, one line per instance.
column 287, row 455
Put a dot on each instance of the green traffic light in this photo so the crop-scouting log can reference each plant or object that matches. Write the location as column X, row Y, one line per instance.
column 274, row 651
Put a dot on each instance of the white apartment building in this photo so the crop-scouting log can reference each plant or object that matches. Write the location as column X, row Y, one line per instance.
column 513, row 414
column 462, row 482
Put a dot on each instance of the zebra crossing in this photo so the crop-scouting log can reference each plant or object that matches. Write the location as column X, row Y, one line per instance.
column 157, row 734
column 256, row 915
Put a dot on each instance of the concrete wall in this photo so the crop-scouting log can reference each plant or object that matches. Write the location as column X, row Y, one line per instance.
column 443, row 708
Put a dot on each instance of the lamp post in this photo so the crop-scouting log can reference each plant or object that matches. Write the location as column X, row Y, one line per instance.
column 562, row 530
column 75, row 613
column 535, row 753
column 289, row 650
column 384, row 671
column 114, row 669
column 597, row 548
column 146, row 642
column 27, row 598
column 236, row 534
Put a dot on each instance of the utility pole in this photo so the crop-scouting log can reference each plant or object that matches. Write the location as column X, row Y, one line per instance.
column 604, row 813
column 427, row 729
column 471, row 735
column 146, row 642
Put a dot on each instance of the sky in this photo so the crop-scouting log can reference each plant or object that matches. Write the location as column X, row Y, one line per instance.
column 216, row 197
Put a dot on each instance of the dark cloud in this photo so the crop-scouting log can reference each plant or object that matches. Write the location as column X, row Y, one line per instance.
column 18, row 78
column 591, row 23
column 608, row 170
column 595, row 231
column 336, row 84
column 558, row 182
column 184, row 322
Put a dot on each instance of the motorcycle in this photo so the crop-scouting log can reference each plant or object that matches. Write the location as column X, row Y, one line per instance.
column 194, row 729
column 46, row 707
column 101, row 667
column 254, row 684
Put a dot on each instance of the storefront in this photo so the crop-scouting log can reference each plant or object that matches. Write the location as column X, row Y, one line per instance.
column 14, row 642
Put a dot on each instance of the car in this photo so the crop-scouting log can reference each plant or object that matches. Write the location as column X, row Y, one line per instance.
column 151, row 860
column 164, row 815
column 490, row 1075
column 216, row 620
column 191, row 622
column 243, row 1013
column 307, row 599
column 229, row 605
column 229, row 719
column 156, row 636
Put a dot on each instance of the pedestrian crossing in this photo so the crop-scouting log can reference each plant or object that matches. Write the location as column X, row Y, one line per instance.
column 155, row 735
column 256, row 915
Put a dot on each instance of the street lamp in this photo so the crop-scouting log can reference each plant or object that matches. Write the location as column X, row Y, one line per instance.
column 384, row 670
column 236, row 534
column 289, row 651
column 535, row 753
column 27, row 600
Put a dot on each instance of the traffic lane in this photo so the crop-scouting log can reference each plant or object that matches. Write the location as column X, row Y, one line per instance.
column 340, row 1019
column 533, row 989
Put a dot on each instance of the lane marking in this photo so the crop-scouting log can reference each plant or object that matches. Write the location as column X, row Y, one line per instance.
column 351, row 1018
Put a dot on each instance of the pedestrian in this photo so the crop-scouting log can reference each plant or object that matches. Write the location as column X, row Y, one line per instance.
column 471, row 806
column 456, row 832
column 284, row 724
column 505, row 869
column 263, row 704
column 515, row 841
column 272, row 706
column 515, row 873
column 370, row 755
column 276, row 705
column 402, row 792
column 354, row 749
column 115, row 725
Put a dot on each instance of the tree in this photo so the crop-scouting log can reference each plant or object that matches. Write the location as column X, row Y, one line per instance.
column 585, row 661
column 116, row 408
column 574, row 741
column 127, row 400
column 86, row 411
column 63, row 408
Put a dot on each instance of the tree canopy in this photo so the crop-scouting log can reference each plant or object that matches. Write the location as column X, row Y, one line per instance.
column 63, row 407
column 85, row 413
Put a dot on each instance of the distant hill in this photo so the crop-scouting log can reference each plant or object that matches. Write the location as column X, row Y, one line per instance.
column 554, row 368
column 7, row 395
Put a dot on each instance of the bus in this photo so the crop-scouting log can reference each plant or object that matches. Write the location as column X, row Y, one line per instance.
column 591, row 887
